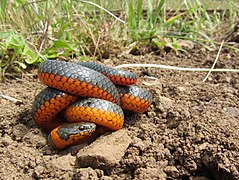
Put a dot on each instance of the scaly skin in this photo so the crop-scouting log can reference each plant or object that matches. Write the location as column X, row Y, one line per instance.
column 68, row 84
column 77, row 80
column 47, row 104
column 118, row 77
column 98, row 111
column 134, row 98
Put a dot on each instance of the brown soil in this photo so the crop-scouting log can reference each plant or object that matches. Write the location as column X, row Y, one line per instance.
column 190, row 131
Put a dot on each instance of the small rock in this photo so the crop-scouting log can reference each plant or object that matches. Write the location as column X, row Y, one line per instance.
column 185, row 112
column 191, row 165
column 228, row 79
column 164, row 103
column 181, row 89
column 231, row 111
column 163, row 163
column 19, row 131
column 38, row 171
column 108, row 62
column 6, row 140
column 64, row 163
column 171, row 171
column 106, row 151
column 199, row 137
column 89, row 173
column 186, row 44
column 149, row 173
column 3, row 101
column 66, row 176
column 106, row 178
column 138, row 143
column 203, row 146
column 209, row 79
column 151, row 114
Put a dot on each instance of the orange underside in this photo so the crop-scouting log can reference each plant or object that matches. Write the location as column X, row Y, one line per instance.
column 47, row 111
column 75, row 87
column 133, row 103
column 121, row 80
column 108, row 119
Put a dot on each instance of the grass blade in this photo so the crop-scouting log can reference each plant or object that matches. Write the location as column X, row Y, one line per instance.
column 3, row 5
column 139, row 12
column 159, row 7
column 150, row 14
column 171, row 20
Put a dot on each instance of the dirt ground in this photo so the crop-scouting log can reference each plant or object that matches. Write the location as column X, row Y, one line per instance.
column 191, row 130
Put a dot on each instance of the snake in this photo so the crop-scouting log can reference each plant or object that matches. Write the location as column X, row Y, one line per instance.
column 83, row 100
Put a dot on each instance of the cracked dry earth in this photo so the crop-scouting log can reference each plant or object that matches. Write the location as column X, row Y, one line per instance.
column 191, row 130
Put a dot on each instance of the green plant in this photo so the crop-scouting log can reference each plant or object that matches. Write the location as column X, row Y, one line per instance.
column 138, row 27
column 36, row 30
column 15, row 54
column 49, row 29
column 151, row 26
column 194, row 24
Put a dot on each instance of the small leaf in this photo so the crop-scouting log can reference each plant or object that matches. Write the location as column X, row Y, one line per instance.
column 61, row 44
column 30, row 56
column 159, row 44
column 16, row 69
column 33, row 59
column 51, row 55
column 21, row 1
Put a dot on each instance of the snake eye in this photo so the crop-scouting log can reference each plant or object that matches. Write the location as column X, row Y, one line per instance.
column 81, row 128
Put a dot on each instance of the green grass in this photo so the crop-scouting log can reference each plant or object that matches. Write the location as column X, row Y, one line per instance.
column 33, row 31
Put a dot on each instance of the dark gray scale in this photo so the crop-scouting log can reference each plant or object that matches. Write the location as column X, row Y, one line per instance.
column 136, row 92
column 78, row 72
column 108, row 70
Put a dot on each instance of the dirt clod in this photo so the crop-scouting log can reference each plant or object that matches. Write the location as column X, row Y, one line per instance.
column 6, row 140
column 89, row 173
column 19, row 131
column 106, row 151
column 150, row 173
column 171, row 171
column 65, row 162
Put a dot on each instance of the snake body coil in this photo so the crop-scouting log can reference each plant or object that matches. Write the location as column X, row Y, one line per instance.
column 79, row 95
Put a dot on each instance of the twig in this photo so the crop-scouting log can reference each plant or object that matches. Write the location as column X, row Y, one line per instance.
column 94, row 4
column 214, row 63
column 176, row 68
column 16, row 101
column 151, row 77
